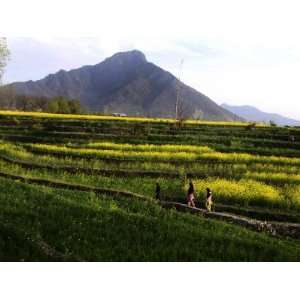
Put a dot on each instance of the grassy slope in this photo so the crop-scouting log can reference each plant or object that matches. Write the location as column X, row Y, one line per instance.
column 38, row 223
column 80, row 225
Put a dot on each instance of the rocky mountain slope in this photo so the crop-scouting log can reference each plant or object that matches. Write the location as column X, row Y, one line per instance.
column 126, row 83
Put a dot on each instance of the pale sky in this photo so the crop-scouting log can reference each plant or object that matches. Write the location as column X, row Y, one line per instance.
column 238, row 52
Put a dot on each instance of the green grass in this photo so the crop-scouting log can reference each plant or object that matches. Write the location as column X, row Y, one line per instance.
column 208, row 156
column 145, row 186
column 81, row 226
column 251, row 169
column 148, row 147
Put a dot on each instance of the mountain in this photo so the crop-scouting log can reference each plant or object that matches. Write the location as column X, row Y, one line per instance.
column 126, row 83
column 251, row 113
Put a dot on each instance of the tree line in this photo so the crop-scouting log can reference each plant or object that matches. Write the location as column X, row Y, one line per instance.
column 11, row 101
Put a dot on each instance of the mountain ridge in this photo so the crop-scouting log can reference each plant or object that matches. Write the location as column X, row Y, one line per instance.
column 251, row 113
column 126, row 83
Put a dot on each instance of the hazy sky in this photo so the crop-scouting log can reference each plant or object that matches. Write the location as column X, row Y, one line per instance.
column 238, row 52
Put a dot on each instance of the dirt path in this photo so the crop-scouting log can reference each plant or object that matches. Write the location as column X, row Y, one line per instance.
column 273, row 228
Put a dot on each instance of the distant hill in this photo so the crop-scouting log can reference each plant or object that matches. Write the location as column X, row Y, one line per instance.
column 126, row 83
column 251, row 113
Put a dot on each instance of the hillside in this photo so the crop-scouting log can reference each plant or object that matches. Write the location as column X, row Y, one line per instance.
column 83, row 188
column 251, row 113
column 126, row 83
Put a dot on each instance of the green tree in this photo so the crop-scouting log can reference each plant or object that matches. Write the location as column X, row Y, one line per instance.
column 53, row 107
column 75, row 107
column 7, row 97
column 64, row 107
column 4, row 55
column 42, row 103
column 21, row 102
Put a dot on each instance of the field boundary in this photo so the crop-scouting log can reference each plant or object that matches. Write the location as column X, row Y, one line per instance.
column 91, row 171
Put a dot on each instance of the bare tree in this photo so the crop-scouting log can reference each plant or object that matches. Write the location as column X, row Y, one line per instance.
column 180, row 110
column 178, row 106
column 4, row 55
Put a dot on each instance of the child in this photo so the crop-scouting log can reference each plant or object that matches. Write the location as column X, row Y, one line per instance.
column 190, row 196
column 209, row 201
column 157, row 191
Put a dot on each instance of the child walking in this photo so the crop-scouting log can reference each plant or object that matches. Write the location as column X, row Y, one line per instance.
column 191, row 196
column 209, row 201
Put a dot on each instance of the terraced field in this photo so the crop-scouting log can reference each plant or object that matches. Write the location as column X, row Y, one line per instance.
column 82, row 188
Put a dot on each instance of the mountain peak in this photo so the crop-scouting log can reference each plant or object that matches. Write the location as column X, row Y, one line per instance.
column 129, row 56
column 126, row 83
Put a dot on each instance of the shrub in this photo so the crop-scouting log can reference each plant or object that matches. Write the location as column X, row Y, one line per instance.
column 244, row 192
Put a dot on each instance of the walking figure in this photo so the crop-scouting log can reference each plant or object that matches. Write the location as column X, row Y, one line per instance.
column 191, row 196
column 157, row 191
column 209, row 201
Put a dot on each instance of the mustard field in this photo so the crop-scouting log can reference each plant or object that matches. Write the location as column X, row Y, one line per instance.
column 112, row 165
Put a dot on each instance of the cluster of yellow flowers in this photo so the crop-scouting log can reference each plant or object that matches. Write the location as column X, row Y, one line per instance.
column 243, row 192
column 108, row 118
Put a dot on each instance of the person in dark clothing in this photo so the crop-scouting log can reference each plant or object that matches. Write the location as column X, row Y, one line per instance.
column 191, row 188
column 209, row 201
column 191, row 196
column 157, row 191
